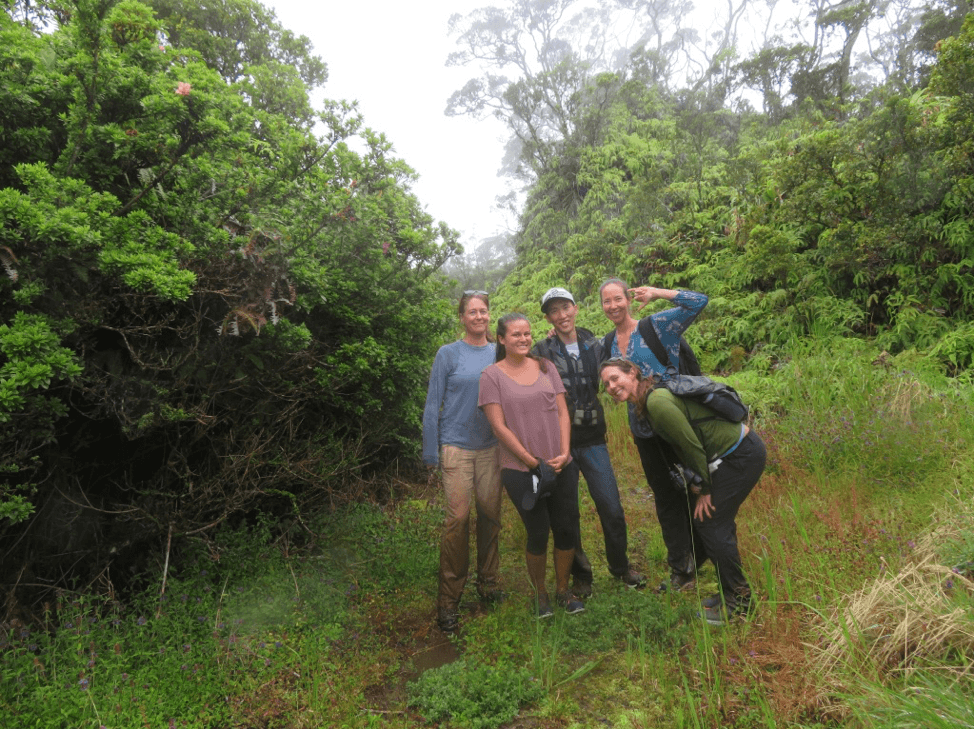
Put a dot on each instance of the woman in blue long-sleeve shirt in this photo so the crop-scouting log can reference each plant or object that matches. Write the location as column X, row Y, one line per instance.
column 458, row 439
column 627, row 342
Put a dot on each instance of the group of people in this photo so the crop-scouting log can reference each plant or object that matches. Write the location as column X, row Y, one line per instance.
column 527, row 417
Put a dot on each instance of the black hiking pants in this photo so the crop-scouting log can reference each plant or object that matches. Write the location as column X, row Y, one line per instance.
column 690, row 542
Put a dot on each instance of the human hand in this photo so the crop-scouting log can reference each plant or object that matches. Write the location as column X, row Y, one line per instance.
column 433, row 476
column 644, row 295
column 559, row 462
column 705, row 508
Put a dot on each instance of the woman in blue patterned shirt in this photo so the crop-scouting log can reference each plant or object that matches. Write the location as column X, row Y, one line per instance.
column 627, row 342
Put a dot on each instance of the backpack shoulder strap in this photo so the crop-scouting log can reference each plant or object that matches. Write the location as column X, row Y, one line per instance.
column 648, row 332
column 689, row 364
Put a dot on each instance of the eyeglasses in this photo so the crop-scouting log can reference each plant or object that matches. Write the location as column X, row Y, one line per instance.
column 475, row 293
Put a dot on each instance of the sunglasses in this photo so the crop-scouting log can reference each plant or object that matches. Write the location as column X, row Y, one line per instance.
column 475, row 293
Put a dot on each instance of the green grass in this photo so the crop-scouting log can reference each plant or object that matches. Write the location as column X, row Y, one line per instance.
column 862, row 524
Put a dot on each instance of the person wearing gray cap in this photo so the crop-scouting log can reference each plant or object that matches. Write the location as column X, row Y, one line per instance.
column 577, row 354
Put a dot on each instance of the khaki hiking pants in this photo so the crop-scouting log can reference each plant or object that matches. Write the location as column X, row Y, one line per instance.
column 469, row 473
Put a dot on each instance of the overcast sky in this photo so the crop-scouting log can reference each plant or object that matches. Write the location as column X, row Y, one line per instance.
column 390, row 56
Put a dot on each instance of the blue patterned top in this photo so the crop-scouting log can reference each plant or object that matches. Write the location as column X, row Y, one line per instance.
column 669, row 325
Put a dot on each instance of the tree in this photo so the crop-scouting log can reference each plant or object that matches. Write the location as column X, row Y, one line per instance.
column 206, row 309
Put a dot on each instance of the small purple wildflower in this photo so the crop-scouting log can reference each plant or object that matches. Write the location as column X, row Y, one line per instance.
column 83, row 683
column 141, row 620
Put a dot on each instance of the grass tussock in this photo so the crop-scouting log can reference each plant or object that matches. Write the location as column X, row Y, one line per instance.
column 906, row 628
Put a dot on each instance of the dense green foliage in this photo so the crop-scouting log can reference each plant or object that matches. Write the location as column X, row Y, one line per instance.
column 844, row 206
column 206, row 304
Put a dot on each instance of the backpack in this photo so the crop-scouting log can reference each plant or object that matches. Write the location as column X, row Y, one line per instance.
column 721, row 399
column 689, row 365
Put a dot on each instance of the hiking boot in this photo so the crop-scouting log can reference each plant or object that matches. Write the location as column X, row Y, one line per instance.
column 632, row 579
column 712, row 601
column 571, row 603
column 448, row 620
column 724, row 614
column 678, row 582
column 581, row 588
column 544, row 607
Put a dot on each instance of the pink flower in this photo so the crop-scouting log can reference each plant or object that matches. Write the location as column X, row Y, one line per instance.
column 183, row 88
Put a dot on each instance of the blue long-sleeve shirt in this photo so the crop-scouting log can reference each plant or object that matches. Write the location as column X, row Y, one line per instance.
column 451, row 415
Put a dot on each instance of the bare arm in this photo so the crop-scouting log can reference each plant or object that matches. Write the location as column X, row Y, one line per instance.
column 495, row 416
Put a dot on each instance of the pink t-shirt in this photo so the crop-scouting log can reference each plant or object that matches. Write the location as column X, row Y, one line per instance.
column 530, row 411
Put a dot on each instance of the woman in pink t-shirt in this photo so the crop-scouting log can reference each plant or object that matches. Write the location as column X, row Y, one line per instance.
column 524, row 400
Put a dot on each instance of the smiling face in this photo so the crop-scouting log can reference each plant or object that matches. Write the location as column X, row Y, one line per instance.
column 561, row 315
column 475, row 317
column 516, row 338
column 615, row 303
column 619, row 383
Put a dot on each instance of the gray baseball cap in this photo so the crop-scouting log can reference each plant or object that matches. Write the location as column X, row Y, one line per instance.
column 555, row 293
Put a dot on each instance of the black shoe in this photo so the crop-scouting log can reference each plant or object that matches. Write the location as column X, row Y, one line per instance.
column 633, row 579
column 678, row 582
column 568, row 601
column 543, row 608
column 581, row 588
column 448, row 620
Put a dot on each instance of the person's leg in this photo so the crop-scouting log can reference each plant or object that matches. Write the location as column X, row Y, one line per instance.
column 593, row 461
column 732, row 482
column 581, row 569
column 487, row 492
column 673, row 512
column 562, row 507
column 457, row 467
column 537, row 527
